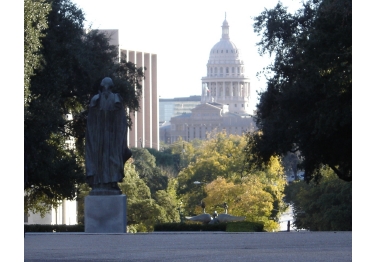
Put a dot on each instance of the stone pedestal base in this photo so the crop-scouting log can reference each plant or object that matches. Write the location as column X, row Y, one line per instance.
column 106, row 214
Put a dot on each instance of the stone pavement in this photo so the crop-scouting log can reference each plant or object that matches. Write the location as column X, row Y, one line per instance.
column 189, row 246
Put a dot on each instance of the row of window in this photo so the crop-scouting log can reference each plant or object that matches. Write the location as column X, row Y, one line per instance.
column 232, row 51
column 238, row 69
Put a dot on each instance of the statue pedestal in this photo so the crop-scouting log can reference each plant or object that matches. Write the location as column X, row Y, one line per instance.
column 106, row 214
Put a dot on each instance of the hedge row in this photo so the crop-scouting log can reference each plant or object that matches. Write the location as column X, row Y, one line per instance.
column 189, row 227
column 243, row 226
column 54, row 228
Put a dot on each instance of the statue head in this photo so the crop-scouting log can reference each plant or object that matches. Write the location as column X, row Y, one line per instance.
column 107, row 83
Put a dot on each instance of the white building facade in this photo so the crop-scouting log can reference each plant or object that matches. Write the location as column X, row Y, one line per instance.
column 226, row 82
column 225, row 98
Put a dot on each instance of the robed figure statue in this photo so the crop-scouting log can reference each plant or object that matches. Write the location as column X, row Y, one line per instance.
column 106, row 148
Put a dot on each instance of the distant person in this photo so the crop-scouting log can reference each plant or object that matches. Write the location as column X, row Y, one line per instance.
column 106, row 149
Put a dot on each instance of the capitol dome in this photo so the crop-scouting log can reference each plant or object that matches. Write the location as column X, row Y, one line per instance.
column 226, row 81
column 224, row 58
column 224, row 49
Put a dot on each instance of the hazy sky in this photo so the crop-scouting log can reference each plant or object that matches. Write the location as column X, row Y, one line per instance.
column 182, row 34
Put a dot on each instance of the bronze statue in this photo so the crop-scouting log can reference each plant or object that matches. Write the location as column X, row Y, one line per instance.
column 106, row 148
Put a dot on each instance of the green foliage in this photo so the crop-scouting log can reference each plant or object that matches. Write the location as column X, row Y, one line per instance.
column 35, row 22
column 307, row 104
column 54, row 228
column 189, row 227
column 169, row 204
column 220, row 164
column 326, row 206
column 228, row 227
column 143, row 211
column 74, row 63
column 245, row 226
column 145, row 165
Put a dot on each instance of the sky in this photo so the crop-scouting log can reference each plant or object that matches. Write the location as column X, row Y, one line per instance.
column 182, row 34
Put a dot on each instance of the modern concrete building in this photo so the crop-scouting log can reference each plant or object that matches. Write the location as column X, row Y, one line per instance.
column 145, row 129
column 225, row 99
column 170, row 107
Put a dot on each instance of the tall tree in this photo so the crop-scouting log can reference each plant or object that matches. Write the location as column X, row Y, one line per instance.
column 35, row 22
column 306, row 106
column 144, row 211
column 145, row 165
column 74, row 63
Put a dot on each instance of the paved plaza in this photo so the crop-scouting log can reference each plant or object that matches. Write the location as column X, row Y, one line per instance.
column 189, row 246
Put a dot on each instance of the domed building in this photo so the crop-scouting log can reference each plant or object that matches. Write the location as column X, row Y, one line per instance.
column 225, row 81
column 225, row 98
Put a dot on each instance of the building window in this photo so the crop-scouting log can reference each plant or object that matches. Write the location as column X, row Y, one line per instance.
column 221, row 51
column 227, row 70
column 235, row 105
column 226, row 51
column 242, row 105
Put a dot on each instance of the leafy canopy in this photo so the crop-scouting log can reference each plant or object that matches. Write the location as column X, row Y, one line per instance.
column 220, row 165
column 64, row 65
column 306, row 106
column 326, row 206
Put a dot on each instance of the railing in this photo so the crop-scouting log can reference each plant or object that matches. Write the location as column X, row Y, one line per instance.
column 230, row 75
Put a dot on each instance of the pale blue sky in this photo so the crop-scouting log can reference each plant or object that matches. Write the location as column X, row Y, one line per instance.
column 182, row 34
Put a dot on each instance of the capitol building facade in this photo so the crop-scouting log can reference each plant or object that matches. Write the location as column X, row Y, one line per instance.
column 225, row 98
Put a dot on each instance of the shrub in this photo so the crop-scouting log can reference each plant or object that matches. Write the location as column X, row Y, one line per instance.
column 54, row 228
column 189, row 227
column 245, row 226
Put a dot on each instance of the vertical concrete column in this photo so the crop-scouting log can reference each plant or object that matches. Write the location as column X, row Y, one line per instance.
column 155, row 102
column 148, row 102
column 141, row 112
column 64, row 212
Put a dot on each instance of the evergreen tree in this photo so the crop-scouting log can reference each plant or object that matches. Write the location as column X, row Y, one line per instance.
column 307, row 104
column 74, row 61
